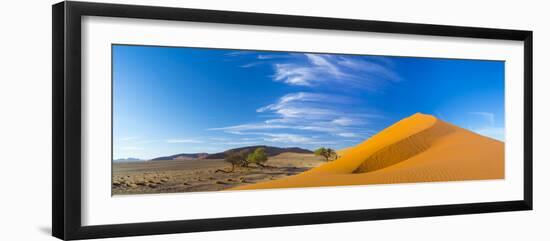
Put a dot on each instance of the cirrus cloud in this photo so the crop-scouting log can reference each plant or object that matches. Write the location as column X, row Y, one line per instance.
column 317, row 69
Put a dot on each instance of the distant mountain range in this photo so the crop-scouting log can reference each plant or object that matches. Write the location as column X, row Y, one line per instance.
column 182, row 156
column 269, row 150
column 129, row 159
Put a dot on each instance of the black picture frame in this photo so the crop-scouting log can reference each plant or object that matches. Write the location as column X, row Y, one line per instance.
column 66, row 158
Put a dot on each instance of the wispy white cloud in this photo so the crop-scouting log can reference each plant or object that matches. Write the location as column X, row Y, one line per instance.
column 246, row 127
column 489, row 127
column 293, row 74
column 493, row 132
column 488, row 116
column 295, row 97
column 184, row 141
column 250, row 139
column 324, row 63
column 252, row 64
column 288, row 138
column 274, row 56
column 347, row 134
column 304, row 105
column 129, row 138
column 369, row 68
column 304, row 112
column 343, row 121
column 238, row 53
column 317, row 69
column 218, row 138
column 238, row 143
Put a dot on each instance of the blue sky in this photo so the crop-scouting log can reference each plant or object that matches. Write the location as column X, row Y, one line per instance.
column 186, row 100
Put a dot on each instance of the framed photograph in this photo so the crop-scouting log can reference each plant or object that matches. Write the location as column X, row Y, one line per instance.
column 171, row 120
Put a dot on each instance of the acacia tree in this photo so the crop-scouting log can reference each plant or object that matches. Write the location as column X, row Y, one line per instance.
column 236, row 159
column 327, row 153
column 257, row 157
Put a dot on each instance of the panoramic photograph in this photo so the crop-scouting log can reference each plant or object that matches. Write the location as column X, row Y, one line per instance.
column 189, row 119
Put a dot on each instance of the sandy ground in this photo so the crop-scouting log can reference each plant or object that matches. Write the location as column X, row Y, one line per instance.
column 200, row 175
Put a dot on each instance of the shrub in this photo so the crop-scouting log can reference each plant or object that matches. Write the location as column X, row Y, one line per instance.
column 327, row 153
column 258, row 157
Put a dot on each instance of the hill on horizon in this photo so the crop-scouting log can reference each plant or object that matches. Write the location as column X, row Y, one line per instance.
column 270, row 151
column 182, row 156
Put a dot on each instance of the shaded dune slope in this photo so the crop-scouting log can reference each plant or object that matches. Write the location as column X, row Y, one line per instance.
column 419, row 148
column 406, row 148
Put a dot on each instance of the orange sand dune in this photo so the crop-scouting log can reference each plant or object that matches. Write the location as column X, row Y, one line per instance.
column 419, row 148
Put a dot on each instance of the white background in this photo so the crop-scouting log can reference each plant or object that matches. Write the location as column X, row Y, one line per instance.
column 25, row 123
column 101, row 208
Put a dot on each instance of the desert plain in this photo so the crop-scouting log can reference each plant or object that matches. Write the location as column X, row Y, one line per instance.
column 168, row 176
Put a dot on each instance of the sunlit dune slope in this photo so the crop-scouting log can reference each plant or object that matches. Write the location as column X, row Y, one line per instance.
column 419, row 148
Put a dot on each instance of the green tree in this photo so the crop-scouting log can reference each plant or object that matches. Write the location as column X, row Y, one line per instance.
column 258, row 157
column 327, row 153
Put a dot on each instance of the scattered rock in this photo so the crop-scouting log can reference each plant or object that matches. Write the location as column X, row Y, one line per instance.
column 152, row 185
column 164, row 180
column 222, row 182
column 132, row 185
column 116, row 183
column 141, row 183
